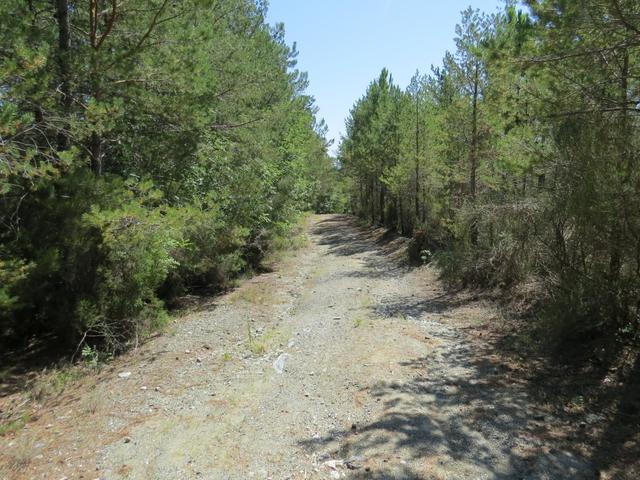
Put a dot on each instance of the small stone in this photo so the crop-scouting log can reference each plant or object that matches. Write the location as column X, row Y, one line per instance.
column 280, row 362
column 124, row 374
column 127, row 439
column 206, row 346
column 198, row 360
column 353, row 426
column 143, row 388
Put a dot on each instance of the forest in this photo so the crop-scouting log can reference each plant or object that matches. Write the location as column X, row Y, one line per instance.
column 197, row 283
column 514, row 164
column 152, row 148
column 148, row 148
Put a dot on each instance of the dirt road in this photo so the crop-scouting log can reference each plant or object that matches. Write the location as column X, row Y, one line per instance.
column 340, row 364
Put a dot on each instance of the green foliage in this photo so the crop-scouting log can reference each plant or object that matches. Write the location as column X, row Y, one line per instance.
column 14, row 425
column 144, row 154
column 90, row 356
column 516, row 161
column 136, row 248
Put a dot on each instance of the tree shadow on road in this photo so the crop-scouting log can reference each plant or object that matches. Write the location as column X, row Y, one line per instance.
column 460, row 414
column 470, row 422
column 381, row 250
column 555, row 442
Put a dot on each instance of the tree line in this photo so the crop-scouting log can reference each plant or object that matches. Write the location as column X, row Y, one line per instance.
column 515, row 163
column 148, row 148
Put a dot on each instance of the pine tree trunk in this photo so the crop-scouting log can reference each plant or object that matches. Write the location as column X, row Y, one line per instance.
column 474, row 156
column 372, row 203
column 417, row 172
column 382, row 198
column 64, row 47
column 616, row 236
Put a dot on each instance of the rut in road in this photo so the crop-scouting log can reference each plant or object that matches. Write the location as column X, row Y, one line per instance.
column 343, row 363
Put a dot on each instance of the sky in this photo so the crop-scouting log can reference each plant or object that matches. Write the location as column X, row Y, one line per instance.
column 343, row 44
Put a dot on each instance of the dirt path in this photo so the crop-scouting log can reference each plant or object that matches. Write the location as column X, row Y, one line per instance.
column 341, row 364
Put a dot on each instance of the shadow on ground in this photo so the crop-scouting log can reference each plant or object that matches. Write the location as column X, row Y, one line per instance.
column 385, row 249
column 470, row 421
column 463, row 412
column 21, row 364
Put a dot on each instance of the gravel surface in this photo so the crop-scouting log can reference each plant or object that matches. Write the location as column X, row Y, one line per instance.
column 343, row 363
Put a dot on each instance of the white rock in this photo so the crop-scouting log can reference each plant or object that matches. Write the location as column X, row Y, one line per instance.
column 124, row 374
column 280, row 362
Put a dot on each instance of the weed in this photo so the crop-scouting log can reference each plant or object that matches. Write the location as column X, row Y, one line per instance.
column 21, row 456
column 89, row 356
column 14, row 425
column 91, row 403
column 53, row 383
column 256, row 347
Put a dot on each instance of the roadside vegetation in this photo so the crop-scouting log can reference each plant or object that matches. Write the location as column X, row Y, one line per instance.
column 147, row 149
column 514, row 165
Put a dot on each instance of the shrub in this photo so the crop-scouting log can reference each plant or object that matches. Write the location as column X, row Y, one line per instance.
column 211, row 252
column 137, row 246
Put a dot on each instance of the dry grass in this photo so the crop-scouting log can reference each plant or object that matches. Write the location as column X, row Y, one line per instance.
column 258, row 293
column 20, row 456
column 260, row 344
column 52, row 383
column 92, row 402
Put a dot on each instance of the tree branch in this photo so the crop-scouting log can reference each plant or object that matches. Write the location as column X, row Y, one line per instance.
column 228, row 126
column 110, row 23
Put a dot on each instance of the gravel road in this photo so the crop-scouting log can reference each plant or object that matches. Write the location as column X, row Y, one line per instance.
column 342, row 363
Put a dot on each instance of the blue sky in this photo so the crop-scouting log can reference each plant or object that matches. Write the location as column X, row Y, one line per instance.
column 344, row 44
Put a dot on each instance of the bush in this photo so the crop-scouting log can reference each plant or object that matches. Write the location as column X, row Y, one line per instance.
column 137, row 246
column 211, row 254
column 97, row 255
